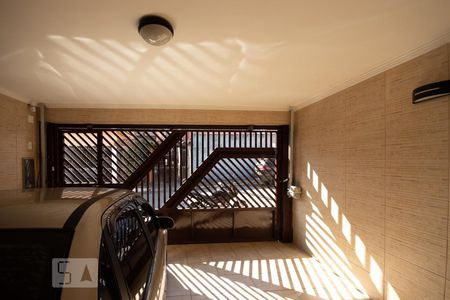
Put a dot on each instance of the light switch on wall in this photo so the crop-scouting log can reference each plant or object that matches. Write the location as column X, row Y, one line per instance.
column 30, row 145
column 30, row 119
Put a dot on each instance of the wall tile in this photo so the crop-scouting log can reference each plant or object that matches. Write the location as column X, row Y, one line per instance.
column 447, row 290
column 393, row 192
column 412, row 282
column 365, row 170
column 16, row 132
column 417, row 165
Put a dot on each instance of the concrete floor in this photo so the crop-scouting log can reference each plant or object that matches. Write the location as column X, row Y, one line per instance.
column 263, row 270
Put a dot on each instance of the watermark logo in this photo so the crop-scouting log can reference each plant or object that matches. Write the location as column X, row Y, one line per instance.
column 75, row 272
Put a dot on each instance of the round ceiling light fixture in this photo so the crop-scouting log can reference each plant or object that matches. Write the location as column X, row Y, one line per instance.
column 155, row 30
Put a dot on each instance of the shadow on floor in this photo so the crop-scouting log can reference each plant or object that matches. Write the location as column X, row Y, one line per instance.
column 262, row 270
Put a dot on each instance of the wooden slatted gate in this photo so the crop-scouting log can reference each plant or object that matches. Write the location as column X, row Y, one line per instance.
column 219, row 183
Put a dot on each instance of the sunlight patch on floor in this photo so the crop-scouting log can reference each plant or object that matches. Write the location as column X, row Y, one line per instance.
column 261, row 270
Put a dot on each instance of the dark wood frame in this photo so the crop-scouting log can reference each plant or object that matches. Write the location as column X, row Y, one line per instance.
column 282, row 214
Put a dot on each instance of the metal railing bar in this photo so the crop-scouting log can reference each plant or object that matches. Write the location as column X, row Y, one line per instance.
column 197, row 152
column 202, row 148
column 139, row 158
column 148, row 187
column 208, row 164
column 186, row 156
column 270, row 163
column 104, row 170
column 199, row 197
column 105, row 159
column 240, row 162
column 160, row 136
column 170, row 171
column 79, row 177
column 191, row 197
column 144, row 150
column 258, row 179
column 212, row 192
column 82, row 177
column 177, row 165
column 149, row 146
column 145, row 136
column 198, row 188
column 164, row 178
column 76, row 153
column 78, row 162
column 74, row 179
column 253, row 189
column 207, row 144
column 159, row 183
column 156, row 142
column 68, row 178
column 121, row 159
column 192, row 155
column 273, row 169
column 246, row 188
column 241, row 189
column 159, row 154
column 88, row 147
column 261, row 194
column 153, row 188
column 242, row 194
column 133, row 161
column 88, row 155
column 222, row 178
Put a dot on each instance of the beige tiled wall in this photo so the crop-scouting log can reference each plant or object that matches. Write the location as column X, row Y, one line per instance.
column 162, row 116
column 375, row 173
column 16, row 131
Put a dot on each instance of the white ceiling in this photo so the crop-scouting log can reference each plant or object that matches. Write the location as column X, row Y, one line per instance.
column 254, row 54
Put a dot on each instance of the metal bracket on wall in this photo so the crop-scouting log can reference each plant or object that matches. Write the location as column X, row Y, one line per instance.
column 431, row 91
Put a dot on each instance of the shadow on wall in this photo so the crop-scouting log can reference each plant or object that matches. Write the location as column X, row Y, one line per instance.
column 78, row 69
column 330, row 237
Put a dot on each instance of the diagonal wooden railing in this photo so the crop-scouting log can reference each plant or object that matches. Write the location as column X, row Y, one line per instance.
column 209, row 163
column 156, row 156
column 218, row 182
column 158, row 163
